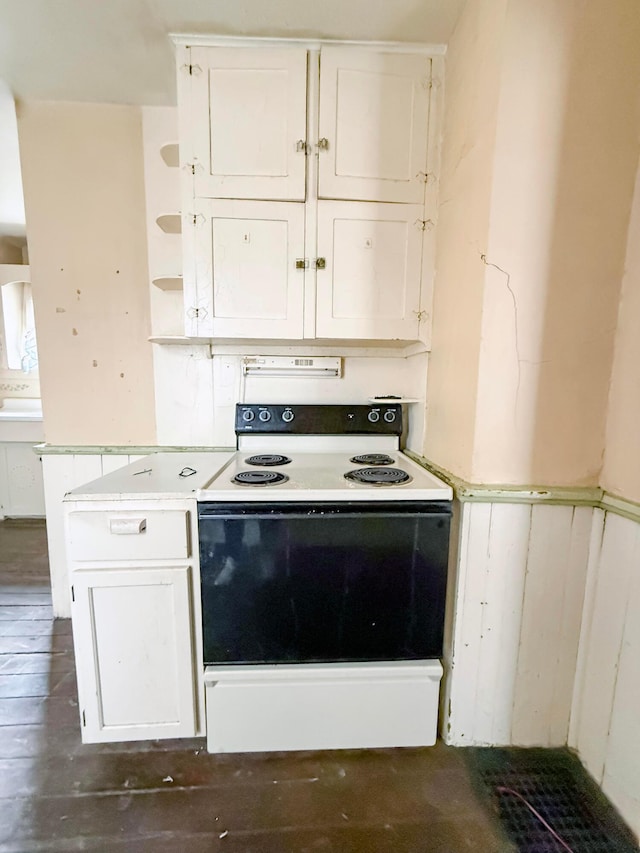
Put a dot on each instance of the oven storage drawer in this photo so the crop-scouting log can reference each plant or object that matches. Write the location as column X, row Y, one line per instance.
column 322, row 706
column 320, row 583
column 96, row 535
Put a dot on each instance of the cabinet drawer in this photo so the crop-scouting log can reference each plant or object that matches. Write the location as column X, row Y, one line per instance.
column 128, row 535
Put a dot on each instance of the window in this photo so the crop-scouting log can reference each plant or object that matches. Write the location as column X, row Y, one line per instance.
column 19, row 326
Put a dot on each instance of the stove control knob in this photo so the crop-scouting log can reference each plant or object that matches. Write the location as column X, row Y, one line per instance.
column 390, row 416
column 287, row 416
column 373, row 416
column 264, row 415
column 248, row 415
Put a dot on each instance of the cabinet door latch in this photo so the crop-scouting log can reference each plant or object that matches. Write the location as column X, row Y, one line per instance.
column 194, row 313
column 302, row 263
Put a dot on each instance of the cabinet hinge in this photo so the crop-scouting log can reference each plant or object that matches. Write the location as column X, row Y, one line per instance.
column 421, row 315
column 195, row 218
column 424, row 224
column 425, row 176
column 84, row 719
column 73, row 594
column 193, row 70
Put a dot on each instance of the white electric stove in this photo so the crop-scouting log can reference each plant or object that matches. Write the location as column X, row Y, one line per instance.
column 323, row 562
column 281, row 458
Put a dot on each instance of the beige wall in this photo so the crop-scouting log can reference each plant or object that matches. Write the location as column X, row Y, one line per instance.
column 621, row 470
column 84, row 199
column 564, row 160
column 473, row 66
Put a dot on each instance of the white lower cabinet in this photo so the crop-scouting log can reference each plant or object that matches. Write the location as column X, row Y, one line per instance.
column 135, row 609
column 134, row 653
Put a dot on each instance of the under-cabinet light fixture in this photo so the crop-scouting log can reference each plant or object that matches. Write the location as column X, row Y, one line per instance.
column 277, row 365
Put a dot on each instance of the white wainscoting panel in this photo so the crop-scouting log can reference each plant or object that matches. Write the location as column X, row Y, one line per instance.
column 63, row 472
column 519, row 595
column 491, row 568
column 605, row 723
column 21, row 489
column 552, row 612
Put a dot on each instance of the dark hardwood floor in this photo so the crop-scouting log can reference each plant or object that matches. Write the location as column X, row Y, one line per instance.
column 165, row 796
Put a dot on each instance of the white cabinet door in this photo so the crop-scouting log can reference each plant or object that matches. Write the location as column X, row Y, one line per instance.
column 249, row 122
column 374, row 114
column 134, row 653
column 246, row 280
column 370, row 285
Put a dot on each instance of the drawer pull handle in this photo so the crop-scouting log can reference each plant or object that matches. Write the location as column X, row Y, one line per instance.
column 127, row 526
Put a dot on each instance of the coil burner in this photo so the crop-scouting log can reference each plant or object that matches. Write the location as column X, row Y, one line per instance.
column 259, row 478
column 379, row 476
column 372, row 459
column 268, row 459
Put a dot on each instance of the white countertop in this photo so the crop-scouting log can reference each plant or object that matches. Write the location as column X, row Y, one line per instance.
column 155, row 476
column 16, row 409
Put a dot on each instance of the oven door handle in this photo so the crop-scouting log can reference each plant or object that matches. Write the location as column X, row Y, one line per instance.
column 319, row 510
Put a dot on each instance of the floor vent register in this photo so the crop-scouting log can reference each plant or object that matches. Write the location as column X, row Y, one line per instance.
column 547, row 803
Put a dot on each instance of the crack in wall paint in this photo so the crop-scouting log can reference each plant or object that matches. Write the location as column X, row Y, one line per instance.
column 487, row 263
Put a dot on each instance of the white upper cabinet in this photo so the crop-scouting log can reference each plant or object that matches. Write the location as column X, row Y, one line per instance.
column 374, row 114
column 248, row 115
column 369, row 286
column 249, row 251
column 309, row 182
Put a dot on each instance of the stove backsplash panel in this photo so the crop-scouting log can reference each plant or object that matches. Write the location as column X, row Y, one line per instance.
column 196, row 395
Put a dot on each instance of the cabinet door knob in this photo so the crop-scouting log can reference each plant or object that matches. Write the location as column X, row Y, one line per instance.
column 302, row 147
column 302, row 263
column 323, row 144
column 321, row 263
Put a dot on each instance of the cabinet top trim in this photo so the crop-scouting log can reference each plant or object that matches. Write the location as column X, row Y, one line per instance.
column 200, row 40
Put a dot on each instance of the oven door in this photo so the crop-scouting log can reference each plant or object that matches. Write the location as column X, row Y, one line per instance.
column 302, row 583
